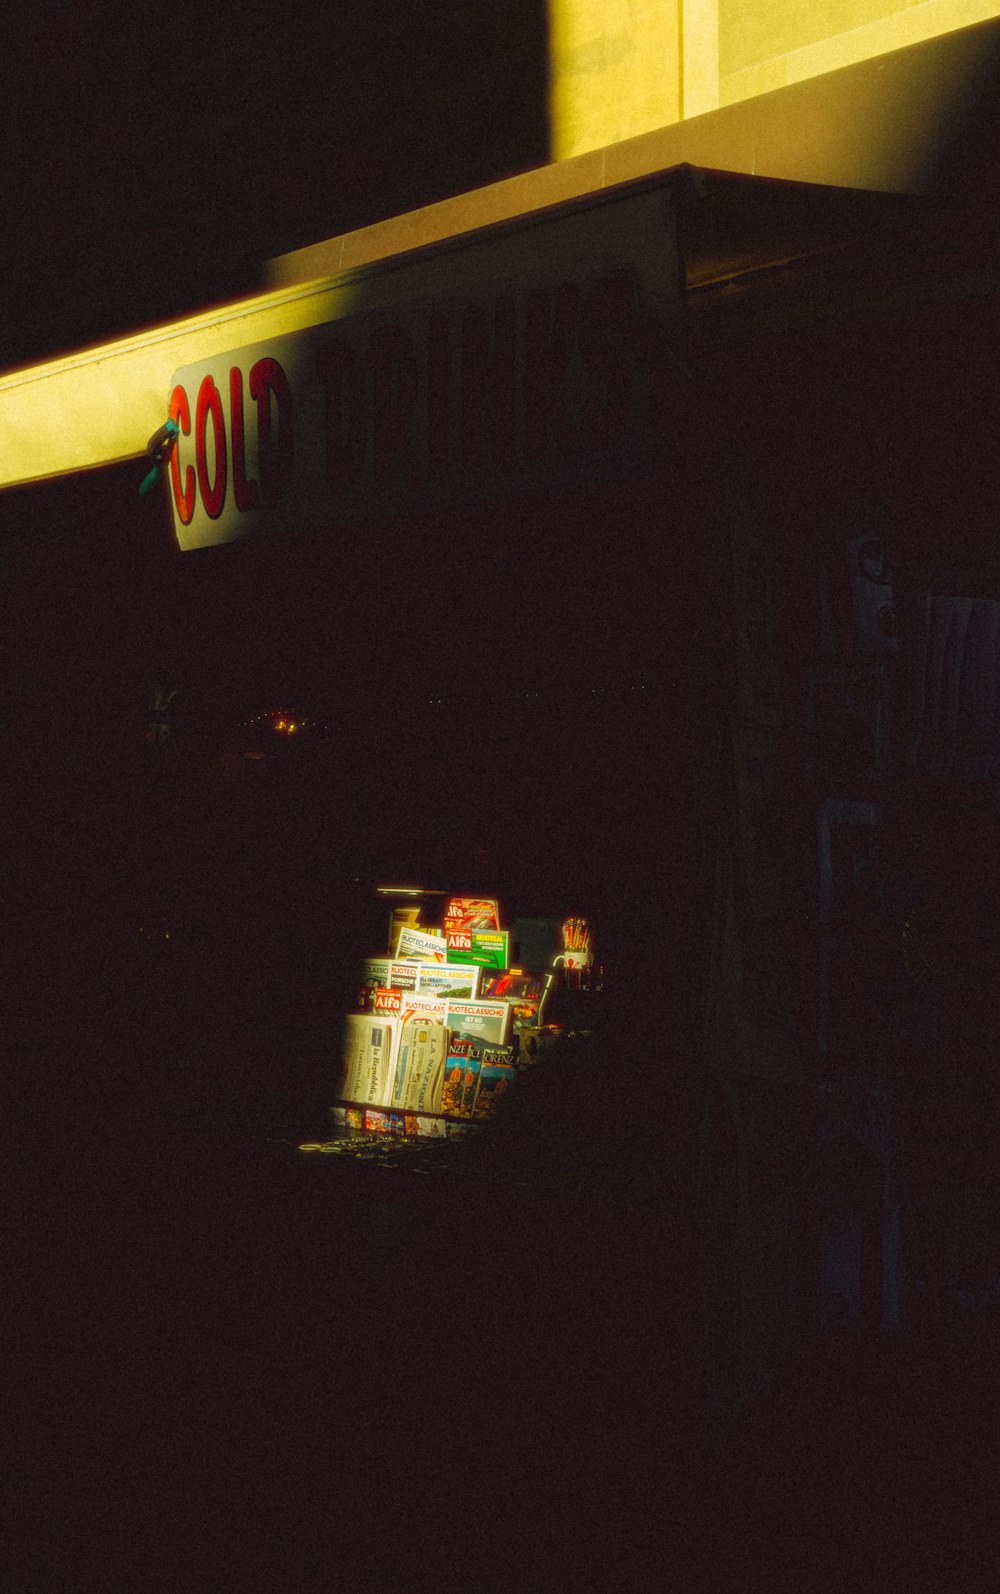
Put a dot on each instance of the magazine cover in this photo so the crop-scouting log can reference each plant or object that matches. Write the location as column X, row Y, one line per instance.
column 500, row 1056
column 429, row 1128
column 453, row 1085
column 374, row 972
column 486, row 1022
column 523, row 992
column 367, row 1057
column 481, row 1057
column 384, row 1123
column 488, row 948
column 472, row 913
column 495, row 1080
column 432, row 1009
column 470, row 1082
column 384, row 972
column 399, row 917
column 384, row 999
column 423, row 945
column 459, row 981
column 422, row 1050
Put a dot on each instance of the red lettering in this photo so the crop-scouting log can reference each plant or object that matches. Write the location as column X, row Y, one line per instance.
column 488, row 370
column 244, row 491
column 183, row 500
column 343, row 379
column 274, row 460
column 213, row 495
column 392, row 360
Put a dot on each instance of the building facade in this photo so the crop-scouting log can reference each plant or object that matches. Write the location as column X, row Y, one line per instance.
column 821, row 262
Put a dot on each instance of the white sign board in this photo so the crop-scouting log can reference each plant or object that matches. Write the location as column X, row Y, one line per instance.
column 508, row 361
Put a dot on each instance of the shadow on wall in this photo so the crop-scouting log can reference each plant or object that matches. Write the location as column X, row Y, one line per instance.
column 963, row 159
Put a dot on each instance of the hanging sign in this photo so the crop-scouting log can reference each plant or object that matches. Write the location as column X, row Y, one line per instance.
column 519, row 360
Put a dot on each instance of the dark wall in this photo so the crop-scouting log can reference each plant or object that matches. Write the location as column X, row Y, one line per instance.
column 152, row 163
column 526, row 716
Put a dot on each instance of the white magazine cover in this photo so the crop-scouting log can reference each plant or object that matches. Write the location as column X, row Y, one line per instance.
column 454, row 981
column 420, row 944
column 414, row 1004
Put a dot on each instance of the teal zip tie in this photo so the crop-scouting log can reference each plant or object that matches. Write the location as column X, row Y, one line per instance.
column 159, row 447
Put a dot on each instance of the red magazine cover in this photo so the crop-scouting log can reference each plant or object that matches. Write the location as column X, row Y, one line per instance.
column 472, row 913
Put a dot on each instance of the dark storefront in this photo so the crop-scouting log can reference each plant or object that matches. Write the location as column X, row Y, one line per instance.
column 601, row 630
column 861, row 385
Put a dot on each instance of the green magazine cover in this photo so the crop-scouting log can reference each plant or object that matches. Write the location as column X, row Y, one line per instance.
column 489, row 949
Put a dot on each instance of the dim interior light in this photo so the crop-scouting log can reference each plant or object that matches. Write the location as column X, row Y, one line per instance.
column 284, row 722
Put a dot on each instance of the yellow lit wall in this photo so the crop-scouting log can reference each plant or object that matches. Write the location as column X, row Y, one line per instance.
column 614, row 71
column 618, row 69
column 764, row 44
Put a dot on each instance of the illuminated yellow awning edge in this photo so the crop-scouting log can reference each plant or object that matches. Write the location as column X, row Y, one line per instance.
column 99, row 405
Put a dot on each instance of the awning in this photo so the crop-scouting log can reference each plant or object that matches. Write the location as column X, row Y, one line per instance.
column 100, row 405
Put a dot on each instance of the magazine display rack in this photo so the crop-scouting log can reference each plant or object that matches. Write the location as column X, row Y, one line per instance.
column 432, row 1046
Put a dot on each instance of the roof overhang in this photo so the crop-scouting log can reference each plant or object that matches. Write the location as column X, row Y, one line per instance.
column 917, row 121
column 99, row 406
